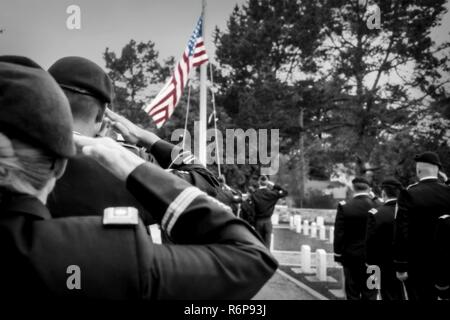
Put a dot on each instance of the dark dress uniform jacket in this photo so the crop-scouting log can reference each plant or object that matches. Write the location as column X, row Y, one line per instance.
column 230, row 197
column 380, row 235
column 419, row 208
column 217, row 256
column 87, row 188
column 380, row 251
column 183, row 164
column 350, row 228
column 442, row 257
column 265, row 200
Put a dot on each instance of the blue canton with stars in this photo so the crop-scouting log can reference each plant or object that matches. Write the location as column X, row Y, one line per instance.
column 193, row 40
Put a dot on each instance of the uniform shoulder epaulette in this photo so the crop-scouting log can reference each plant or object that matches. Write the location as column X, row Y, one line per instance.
column 411, row 185
column 342, row 203
column 121, row 216
column 373, row 211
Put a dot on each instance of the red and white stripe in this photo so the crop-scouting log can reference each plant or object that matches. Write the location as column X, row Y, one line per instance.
column 163, row 106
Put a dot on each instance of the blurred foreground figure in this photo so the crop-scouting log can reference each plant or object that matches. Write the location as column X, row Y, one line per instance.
column 418, row 211
column 87, row 188
column 265, row 198
column 217, row 256
column 349, row 240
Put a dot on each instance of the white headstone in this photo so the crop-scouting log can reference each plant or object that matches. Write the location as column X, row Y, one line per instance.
column 331, row 234
column 271, row 241
column 305, row 228
column 291, row 223
column 297, row 219
column 298, row 224
column 276, row 219
column 320, row 221
column 321, row 265
column 305, row 258
column 313, row 230
column 322, row 230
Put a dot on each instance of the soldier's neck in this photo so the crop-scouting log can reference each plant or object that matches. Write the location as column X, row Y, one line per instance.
column 83, row 129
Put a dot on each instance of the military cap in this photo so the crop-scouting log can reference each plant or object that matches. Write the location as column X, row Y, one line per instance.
column 360, row 180
column 83, row 76
column 391, row 182
column 428, row 157
column 33, row 107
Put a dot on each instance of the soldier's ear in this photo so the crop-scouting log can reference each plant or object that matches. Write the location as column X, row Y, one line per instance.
column 60, row 167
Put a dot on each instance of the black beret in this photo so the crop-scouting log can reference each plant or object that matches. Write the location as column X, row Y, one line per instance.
column 33, row 107
column 83, row 76
column 428, row 157
column 360, row 180
column 391, row 182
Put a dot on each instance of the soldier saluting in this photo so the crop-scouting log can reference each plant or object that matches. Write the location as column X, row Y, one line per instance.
column 349, row 240
column 217, row 255
column 379, row 239
column 418, row 210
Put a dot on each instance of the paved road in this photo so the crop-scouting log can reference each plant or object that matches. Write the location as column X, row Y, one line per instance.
column 280, row 288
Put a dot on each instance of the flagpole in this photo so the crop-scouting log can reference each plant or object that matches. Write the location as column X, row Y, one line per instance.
column 203, row 98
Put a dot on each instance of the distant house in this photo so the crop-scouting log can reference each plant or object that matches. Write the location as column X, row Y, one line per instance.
column 338, row 186
column 336, row 189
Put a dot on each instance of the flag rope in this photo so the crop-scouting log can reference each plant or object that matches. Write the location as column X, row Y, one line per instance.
column 187, row 113
column 213, row 100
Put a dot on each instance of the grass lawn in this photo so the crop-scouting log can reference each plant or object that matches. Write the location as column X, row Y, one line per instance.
column 288, row 240
column 321, row 287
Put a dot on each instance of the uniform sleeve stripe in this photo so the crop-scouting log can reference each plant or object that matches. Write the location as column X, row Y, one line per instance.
column 178, row 206
column 220, row 204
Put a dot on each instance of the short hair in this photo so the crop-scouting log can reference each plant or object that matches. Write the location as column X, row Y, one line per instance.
column 359, row 187
column 391, row 191
column 84, row 107
column 23, row 167
column 262, row 181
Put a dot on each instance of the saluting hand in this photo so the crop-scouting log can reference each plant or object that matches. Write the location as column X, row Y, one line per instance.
column 125, row 127
column 110, row 154
column 131, row 132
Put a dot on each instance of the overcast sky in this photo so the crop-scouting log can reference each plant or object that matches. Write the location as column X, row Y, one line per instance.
column 37, row 29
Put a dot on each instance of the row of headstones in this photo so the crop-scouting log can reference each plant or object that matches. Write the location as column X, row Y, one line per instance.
column 305, row 260
column 321, row 262
column 315, row 229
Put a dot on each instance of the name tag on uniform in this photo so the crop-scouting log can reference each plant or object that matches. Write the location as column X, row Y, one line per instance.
column 120, row 216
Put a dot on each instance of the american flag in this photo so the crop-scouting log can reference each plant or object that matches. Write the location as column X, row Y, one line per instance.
column 162, row 107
